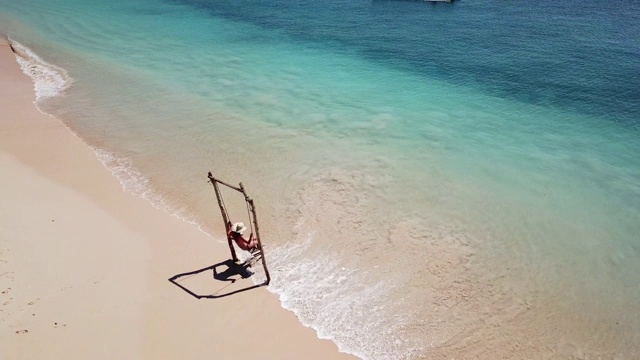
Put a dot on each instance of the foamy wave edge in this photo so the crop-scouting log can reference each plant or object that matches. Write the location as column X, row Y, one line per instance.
column 134, row 182
column 337, row 316
column 48, row 80
column 51, row 81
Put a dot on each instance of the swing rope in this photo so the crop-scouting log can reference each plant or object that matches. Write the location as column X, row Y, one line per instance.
column 249, row 215
column 224, row 207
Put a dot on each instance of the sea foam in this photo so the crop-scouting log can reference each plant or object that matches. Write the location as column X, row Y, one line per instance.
column 49, row 80
column 136, row 183
column 339, row 302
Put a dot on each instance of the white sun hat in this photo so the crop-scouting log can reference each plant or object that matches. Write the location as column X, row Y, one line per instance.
column 238, row 228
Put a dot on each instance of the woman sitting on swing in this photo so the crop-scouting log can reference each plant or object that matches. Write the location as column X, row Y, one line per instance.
column 235, row 233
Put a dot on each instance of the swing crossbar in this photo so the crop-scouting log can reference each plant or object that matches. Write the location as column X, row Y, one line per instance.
column 226, row 184
column 227, row 223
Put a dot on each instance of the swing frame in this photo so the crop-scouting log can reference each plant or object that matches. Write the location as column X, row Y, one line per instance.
column 251, row 210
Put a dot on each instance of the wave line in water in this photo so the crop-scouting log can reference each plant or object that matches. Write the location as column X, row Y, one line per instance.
column 339, row 302
column 49, row 80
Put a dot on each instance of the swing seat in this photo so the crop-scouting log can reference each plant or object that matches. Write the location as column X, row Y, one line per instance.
column 254, row 250
column 252, row 260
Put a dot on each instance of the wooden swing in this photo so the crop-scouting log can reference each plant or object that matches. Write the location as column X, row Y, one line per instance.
column 251, row 211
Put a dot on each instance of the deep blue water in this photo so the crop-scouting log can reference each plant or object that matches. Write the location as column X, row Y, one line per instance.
column 582, row 56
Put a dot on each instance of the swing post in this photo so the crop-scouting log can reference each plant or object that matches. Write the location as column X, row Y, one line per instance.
column 252, row 209
column 227, row 223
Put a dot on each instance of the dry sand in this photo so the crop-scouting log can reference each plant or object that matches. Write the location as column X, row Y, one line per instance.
column 84, row 266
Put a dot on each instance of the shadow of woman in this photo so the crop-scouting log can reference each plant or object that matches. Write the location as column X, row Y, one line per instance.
column 226, row 275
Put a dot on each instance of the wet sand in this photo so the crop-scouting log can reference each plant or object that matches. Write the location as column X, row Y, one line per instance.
column 85, row 266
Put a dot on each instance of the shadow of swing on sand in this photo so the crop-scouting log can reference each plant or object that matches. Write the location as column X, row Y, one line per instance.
column 215, row 281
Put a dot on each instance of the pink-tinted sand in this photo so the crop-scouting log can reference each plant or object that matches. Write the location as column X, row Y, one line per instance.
column 85, row 266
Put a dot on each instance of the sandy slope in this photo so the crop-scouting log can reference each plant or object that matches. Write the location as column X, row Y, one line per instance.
column 84, row 266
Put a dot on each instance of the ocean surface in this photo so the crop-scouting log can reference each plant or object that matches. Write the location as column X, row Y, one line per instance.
column 433, row 181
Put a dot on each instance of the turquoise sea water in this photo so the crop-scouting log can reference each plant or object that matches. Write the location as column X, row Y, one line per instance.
column 435, row 181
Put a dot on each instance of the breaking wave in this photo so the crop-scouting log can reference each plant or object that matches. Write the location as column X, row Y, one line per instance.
column 49, row 80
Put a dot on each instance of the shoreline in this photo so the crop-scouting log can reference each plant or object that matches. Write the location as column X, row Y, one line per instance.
column 85, row 265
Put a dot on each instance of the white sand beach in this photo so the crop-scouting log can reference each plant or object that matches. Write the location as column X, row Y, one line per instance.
column 85, row 266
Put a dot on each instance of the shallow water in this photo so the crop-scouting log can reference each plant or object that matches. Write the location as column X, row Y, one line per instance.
column 437, row 180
